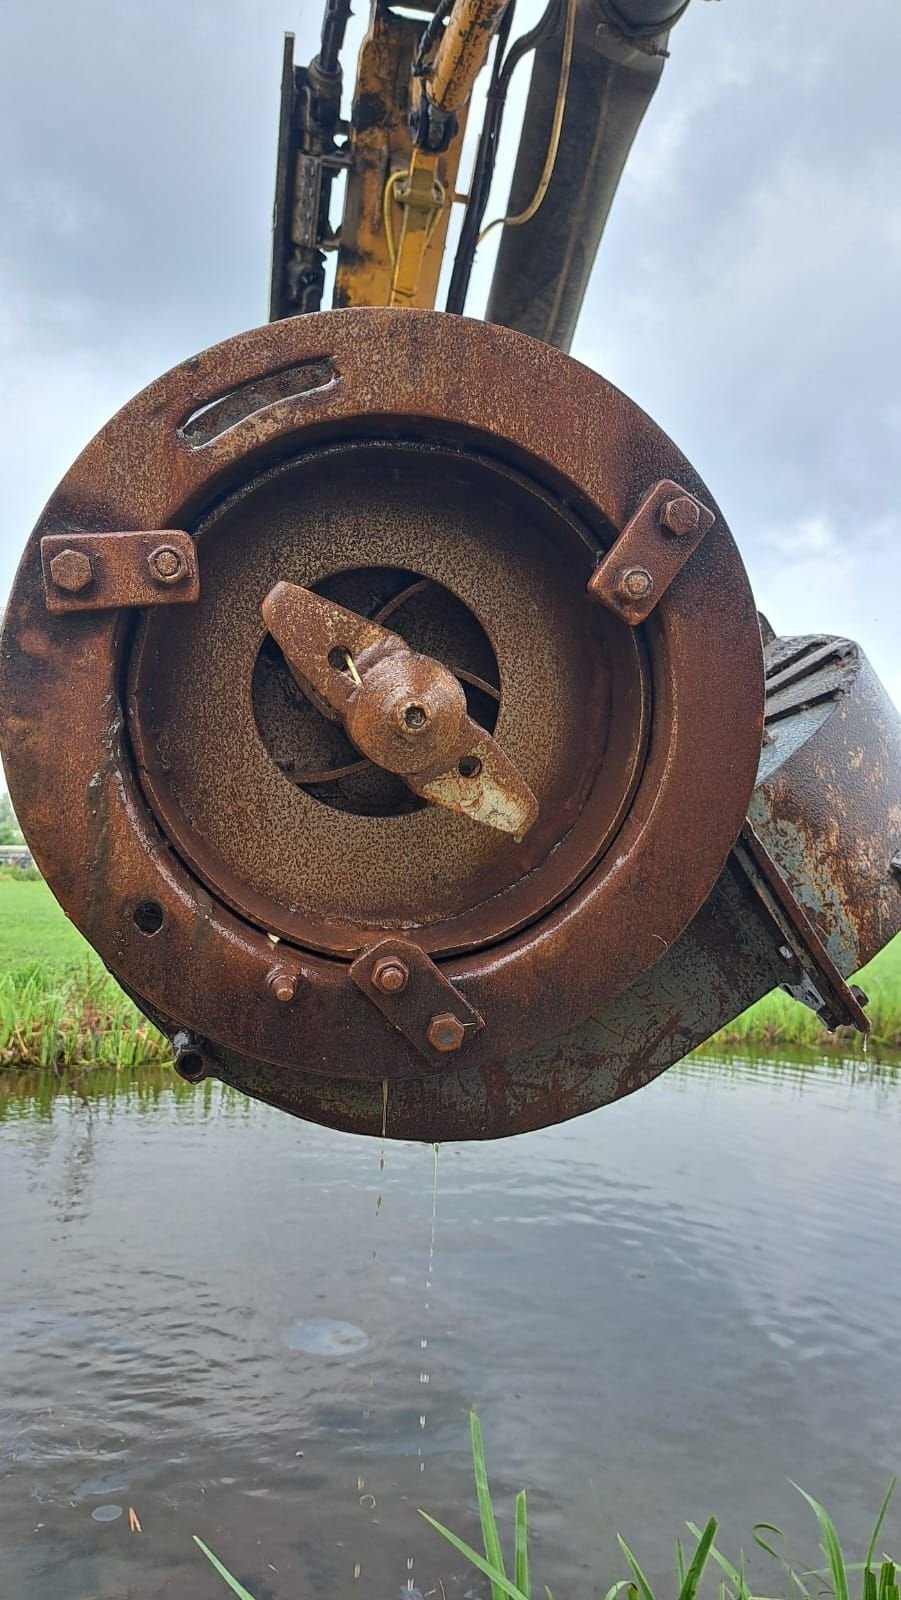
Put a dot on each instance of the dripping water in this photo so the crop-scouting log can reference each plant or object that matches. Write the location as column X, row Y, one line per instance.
column 366, row 1498
column 425, row 1376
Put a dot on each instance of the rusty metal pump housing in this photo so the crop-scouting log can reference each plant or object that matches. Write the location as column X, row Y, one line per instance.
column 383, row 697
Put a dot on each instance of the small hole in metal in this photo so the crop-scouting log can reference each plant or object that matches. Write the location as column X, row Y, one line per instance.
column 469, row 767
column 337, row 658
column 191, row 1065
column 415, row 717
column 148, row 917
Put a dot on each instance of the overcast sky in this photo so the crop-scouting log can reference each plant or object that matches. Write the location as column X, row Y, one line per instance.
column 746, row 294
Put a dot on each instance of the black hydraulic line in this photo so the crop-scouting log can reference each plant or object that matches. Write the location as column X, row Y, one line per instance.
column 334, row 26
column 543, row 266
column 486, row 153
column 643, row 18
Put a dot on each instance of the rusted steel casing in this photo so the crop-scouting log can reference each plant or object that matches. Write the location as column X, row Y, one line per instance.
column 232, row 807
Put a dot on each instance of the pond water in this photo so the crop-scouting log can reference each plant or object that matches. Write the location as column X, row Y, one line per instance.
column 235, row 1325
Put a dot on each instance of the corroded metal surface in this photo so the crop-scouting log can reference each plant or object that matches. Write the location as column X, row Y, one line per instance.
column 104, row 571
column 402, row 710
column 426, row 469
column 827, row 806
column 416, row 998
column 811, row 975
column 650, row 552
column 728, row 957
column 380, row 145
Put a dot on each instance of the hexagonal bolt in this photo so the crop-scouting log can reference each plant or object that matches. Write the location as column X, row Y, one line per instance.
column 283, row 985
column 635, row 583
column 71, row 571
column 167, row 565
column 390, row 975
column 681, row 516
column 445, row 1032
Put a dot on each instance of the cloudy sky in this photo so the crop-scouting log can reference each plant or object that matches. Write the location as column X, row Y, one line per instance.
column 747, row 292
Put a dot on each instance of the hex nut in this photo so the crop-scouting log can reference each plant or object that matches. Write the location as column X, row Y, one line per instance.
column 681, row 516
column 71, row 571
column 390, row 975
column 635, row 583
column 167, row 565
column 445, row 1033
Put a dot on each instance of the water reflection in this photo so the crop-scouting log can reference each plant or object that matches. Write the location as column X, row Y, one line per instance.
column 661, row 1310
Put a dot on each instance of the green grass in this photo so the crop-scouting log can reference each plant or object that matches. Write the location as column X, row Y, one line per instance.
column 875, row 1577
column 70, row 1020
column 34, row 930
column 59, row 1008
column 777, row 1019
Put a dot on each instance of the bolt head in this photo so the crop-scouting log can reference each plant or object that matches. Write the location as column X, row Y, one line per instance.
column 445, row 1033
column 390, row 975
column 635, row 583
column 412, row 718
column 71, row 570
column 283, row 986
column 681, row 516
column 167, row 565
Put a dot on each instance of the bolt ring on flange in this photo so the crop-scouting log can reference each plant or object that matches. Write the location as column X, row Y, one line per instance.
column 463, row 380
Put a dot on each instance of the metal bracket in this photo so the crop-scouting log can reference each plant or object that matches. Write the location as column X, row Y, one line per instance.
column 306, row 211
column 416, row 998
column 812, row 976
column 101, row 571
column 650, row 552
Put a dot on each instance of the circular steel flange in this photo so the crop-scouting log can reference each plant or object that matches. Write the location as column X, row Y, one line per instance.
column 152, row 796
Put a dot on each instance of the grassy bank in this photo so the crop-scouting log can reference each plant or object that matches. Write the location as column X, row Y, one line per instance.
column 777, row 1019
column 60, row 1009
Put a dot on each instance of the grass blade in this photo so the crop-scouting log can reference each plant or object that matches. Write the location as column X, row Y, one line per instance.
column 236, row 1587
column 831, row 1547
column 767, row 1527
column 736, row 1578
column 644, row 1587
column 698, row 1562
column 871, row 1549
column 499, row 1581
column 869, row 1584
column 521, row 1549
column 494, row 1555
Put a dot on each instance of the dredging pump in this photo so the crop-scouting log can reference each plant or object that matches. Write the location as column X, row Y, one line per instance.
column 383, row 695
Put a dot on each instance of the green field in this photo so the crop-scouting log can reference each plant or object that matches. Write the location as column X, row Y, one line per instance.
column 60, row 1009
column 33, row 929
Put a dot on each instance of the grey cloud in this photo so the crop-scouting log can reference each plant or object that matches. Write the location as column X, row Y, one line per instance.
column 746, row 293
